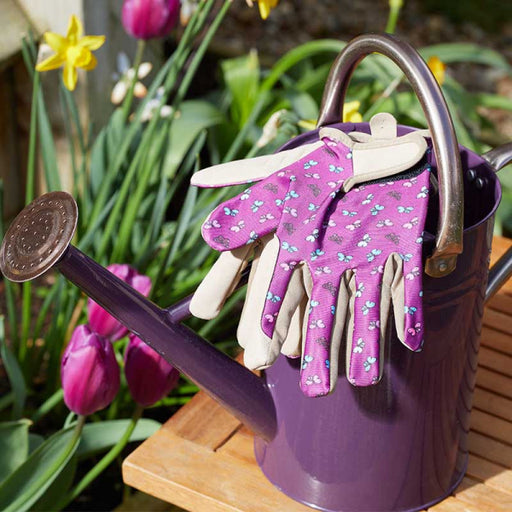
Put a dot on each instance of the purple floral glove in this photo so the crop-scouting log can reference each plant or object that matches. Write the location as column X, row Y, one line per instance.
column 313, row 228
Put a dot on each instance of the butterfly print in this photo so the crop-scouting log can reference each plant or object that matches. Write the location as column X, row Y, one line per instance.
column 355, row 225
column 291, row 211
column 209, row 224
column 313, row 379
column 344, row 257
column 371, row 255
column 270, row 318
column 392, row 237
column 359, row 346
column 315, row 190
column 395, row 195
column 360, row 290
column 245, row 195
column 267, row 216
column 364, row 241
column 322, row 341
column 309, row 164
column 287, row 247
column 376, row 209
column 317, row 324
column 368, row 363
column 230, row 212
column 330, row 288
column 273, row 298
column 415, row 272
column 222, row 241
column 316, row 253
column 271, row 187
column 289, row 228
column 313, row 175
column 313, row 236
column 409, row 225
column 288, row 266
column 368, row 199
column 322, row 270
column 337, row 239
column 384, row 223
column 238, row 227
column 367, row 306
column 307, row 360
column 414, row 330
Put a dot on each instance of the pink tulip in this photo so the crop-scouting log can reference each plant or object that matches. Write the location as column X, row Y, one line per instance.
column 150, row 377
column 104, row 323
column 89, row 372
column 146, row 19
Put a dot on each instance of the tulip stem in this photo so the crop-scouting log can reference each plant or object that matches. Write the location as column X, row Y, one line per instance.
column 394, row 10
column 127, row 104
column 107, row 459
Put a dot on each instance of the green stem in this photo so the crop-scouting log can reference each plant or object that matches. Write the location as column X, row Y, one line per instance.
column 8, row 285
column 104, row 462
column 394, row 10
column 127, row 104
column 31, row 164
column 198, row 57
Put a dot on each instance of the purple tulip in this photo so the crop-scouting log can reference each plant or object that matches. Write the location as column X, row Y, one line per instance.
column 150, row 377
column 104, row 323
column 146, row 19
column 89, row 372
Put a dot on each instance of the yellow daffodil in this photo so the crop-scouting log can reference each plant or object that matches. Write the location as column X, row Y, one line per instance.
column 351, row 112
column 438, row 68
column 72, row 51
column 265, row 6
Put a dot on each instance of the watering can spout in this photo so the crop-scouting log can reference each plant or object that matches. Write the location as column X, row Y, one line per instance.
column 38, row 239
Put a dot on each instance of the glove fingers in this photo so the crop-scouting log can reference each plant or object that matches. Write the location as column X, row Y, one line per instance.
column 406, row 291
column 365, row 362
column 315, row 375
column 219, row 283
column 261, row 347
column 288, row 330
column 252, row 214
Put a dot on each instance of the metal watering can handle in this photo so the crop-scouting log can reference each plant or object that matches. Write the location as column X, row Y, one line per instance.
column 451, row 203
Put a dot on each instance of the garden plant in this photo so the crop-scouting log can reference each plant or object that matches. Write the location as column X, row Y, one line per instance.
column 78, row 383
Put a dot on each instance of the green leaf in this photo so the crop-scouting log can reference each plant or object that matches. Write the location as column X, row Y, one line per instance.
column 194, row 117
column 242, row 76
column 34, row 442
column 47, row 145
column 14, row 445
column 99, row 437
column 493, row 101
column 30, row 481
column 14, row 373
column 466, row 52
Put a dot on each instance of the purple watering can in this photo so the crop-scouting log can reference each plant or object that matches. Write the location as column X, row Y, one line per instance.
column 398, row 445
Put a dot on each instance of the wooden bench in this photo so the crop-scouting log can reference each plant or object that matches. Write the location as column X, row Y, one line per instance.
column 202, row 459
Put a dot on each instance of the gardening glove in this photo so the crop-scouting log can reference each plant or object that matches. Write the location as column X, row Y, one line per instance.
column 336, row 154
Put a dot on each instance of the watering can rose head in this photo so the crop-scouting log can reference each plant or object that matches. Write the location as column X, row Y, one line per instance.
column 150, row 377
column 146, row 19
column 102, row 322
column 89, row 372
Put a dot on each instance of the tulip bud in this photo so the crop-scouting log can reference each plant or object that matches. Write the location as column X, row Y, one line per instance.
column 89, row 372
column 150, row 377
column 146, row 19
column 104, row 323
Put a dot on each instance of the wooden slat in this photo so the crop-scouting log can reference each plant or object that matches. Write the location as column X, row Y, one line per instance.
column 496, row 382
column 483, row 497
column 490, row 449
column 501, row 302
column 491, row 474
column 498, row 321
column 493, row 404
column 495, row 361
column 204, row 422
column 240, row 446
column 452, row 504
column 491, row 426
column 497, row 340
column 200, row 480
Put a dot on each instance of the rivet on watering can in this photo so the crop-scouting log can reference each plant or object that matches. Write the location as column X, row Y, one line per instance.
column 443, row 266
column 471, row 175
column 479, row 183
